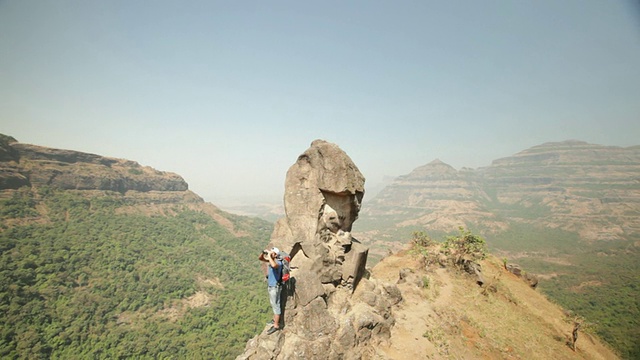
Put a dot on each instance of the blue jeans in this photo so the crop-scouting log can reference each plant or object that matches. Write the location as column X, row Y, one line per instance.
column 274, row 298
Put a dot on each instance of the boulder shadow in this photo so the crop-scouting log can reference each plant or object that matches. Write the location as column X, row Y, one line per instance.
column 288, row 290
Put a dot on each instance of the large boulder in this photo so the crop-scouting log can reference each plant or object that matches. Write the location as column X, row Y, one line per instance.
column 323, row 194
column 531, row 279
column 331, row 310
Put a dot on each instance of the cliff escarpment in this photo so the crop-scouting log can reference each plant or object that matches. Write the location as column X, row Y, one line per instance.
column 32, row 165
column 588, row 189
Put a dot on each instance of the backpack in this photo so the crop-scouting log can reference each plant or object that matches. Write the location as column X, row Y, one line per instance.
column 285, row 274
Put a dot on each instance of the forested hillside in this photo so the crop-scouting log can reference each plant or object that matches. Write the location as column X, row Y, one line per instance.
column 84, row 276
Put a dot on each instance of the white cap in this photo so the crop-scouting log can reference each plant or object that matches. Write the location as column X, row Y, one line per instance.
column 275, row 250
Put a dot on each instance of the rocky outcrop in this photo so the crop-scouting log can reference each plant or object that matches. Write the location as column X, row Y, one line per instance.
column 31, row 165
column 531, row 279
column 331, row 310
column 323, row 193
column 10, row 176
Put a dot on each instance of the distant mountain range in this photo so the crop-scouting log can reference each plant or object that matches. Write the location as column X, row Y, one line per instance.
column 592, row 190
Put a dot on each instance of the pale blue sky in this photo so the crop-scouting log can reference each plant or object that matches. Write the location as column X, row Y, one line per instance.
column 228, row 94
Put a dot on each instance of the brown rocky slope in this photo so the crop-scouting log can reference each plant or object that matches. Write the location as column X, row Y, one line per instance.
column 445, row 314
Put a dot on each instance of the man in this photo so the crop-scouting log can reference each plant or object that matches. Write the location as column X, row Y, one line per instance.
column 274, row 273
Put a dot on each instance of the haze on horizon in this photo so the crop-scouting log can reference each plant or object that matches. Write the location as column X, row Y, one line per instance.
column 228, row 94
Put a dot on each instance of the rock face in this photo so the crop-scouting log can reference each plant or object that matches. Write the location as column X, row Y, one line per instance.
column 331, row 311
column 323, row 193
column 31, row 165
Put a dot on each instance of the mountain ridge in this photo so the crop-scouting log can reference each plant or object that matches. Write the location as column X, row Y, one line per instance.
column 570, row 178
column 444, row 313
column 27, row 165
column 563, row 209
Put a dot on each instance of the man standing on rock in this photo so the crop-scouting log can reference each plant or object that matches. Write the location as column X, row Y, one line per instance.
column 274, row 274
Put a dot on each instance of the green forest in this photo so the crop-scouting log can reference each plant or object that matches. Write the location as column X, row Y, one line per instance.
column 80, row 280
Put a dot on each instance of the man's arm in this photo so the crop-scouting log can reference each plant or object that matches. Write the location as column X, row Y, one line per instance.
column 272, row 260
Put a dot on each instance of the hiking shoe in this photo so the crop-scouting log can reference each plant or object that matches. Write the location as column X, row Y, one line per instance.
column 270, row 322
column 272, row 330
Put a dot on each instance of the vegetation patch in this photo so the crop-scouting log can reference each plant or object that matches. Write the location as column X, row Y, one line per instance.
column 97, row 283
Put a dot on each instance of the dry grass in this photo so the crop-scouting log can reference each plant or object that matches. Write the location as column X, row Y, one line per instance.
column 454, row 318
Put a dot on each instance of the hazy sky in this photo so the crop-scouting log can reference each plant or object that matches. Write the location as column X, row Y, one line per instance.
column 229, row 93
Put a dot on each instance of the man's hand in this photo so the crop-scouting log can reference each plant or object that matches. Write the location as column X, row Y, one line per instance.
column 264, row 256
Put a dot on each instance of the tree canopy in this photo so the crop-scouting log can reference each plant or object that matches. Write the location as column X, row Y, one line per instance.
column 80, row 279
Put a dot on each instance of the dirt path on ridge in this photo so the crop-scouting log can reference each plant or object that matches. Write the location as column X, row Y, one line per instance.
column 417, row 309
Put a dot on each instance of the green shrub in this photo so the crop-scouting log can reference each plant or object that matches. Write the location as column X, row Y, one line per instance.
column 421, row 242
column 465, row 246
column 421, row 239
